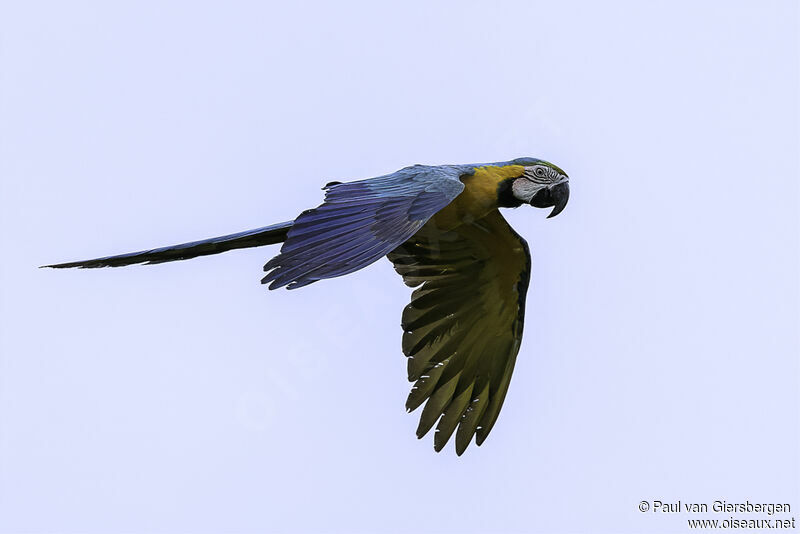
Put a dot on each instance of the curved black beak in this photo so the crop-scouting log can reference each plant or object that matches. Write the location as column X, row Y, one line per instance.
column 556, row 196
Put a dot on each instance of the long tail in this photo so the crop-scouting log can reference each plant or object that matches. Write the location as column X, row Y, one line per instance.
column 268, row 235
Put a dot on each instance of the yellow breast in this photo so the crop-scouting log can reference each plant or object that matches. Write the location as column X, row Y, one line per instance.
column 478, row 198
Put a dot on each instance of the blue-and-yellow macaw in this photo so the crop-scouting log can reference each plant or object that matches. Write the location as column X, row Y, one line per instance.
column 441, row 228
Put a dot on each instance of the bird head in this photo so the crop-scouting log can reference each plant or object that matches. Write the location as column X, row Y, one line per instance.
column 542, row 185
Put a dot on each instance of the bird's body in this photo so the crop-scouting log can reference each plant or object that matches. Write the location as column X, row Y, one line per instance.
column 441, row 228
column 479, row 196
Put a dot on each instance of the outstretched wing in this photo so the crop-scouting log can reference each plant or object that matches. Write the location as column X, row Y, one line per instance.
column 463, row 327
column 359, row 223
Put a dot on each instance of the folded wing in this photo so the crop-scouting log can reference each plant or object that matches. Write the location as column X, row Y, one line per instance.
column 463, row 327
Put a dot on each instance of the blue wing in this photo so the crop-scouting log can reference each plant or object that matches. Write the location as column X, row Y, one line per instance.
column 359, row 223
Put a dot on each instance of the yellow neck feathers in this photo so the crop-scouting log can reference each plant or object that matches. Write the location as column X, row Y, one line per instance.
column 479, row 196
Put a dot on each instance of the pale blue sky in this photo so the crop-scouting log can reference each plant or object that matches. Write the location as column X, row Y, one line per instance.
column 661, row 351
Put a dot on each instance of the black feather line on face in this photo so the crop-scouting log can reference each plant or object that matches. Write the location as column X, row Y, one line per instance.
column 505, row 196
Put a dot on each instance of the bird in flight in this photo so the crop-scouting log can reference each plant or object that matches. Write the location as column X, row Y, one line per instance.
column 442, row 229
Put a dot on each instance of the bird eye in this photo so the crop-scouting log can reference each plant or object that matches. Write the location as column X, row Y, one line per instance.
column 539, row 172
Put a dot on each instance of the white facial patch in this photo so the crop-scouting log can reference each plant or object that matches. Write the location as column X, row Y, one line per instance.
column 524, row 189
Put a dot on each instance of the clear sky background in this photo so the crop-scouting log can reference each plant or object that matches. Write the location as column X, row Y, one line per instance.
column 661, row 351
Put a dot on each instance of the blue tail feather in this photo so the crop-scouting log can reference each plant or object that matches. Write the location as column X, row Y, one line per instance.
column 267, row 235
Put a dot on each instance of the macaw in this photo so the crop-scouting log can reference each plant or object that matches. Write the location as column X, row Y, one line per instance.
column 442, row 229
